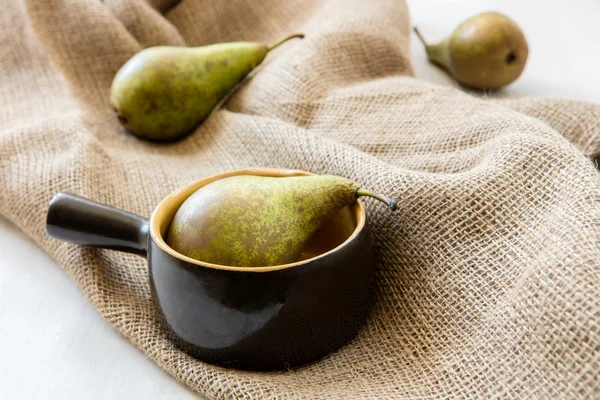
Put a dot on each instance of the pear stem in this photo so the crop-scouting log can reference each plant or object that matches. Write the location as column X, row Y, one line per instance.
column 391, row 203
column 421, row 38
column 285, row 39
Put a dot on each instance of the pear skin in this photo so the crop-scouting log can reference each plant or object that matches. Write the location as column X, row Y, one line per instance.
column 487, row 51
column 162, row 93
column 255, row 221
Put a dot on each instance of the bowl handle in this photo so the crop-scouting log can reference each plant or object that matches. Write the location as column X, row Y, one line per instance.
column 75, row 219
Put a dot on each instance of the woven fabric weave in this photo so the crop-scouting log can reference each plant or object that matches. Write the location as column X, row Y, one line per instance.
column 488, row 277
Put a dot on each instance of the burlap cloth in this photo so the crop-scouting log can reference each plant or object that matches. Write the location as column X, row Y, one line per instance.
column 488, row 283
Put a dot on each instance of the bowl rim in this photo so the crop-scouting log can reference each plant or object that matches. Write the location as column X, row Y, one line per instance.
column 176, row 198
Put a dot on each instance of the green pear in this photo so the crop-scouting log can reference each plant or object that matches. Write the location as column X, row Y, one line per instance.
column 487, row 51
column 255, row 221
column 162, row 93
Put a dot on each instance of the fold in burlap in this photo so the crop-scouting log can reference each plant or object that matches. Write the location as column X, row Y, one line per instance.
column 488, row 281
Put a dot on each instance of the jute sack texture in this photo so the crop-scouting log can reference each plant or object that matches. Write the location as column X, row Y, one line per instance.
column 488, row 283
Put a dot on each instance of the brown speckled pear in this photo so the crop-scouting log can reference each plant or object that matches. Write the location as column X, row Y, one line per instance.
column 164, row 92
column 256, row 221
column 487, row 51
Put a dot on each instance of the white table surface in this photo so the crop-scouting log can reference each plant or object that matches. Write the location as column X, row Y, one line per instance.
column 55, row 345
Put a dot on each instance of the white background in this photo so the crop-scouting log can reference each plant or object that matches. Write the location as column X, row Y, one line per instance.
column 55, row 345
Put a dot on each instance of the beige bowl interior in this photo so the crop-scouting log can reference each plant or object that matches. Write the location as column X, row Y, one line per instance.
column 333, row 234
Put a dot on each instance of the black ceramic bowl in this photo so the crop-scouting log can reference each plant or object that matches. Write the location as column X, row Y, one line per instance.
column 251, row 318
